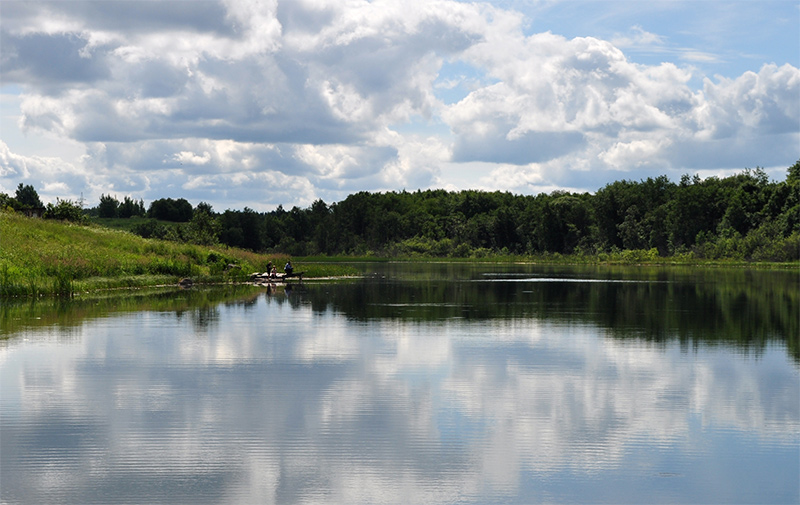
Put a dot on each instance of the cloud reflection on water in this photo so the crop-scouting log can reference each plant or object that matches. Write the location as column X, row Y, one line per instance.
column 279, row 403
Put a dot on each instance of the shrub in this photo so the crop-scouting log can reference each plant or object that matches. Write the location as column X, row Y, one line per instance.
column 65, row 210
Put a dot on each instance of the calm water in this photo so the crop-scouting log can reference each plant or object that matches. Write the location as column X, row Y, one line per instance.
column 416, row 384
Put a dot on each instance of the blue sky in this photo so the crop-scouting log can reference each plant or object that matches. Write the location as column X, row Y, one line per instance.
column 261, row 102
column 728, row 38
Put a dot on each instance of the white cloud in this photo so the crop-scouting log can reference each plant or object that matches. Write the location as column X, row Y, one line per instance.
column 580, row 102
column 53, row 177
column 192, row 158
column 12, row 164
column 698, row 56
column 633, row 153
column 567, row 93
column 310, row 89
column 637, row 39
column 765, row 102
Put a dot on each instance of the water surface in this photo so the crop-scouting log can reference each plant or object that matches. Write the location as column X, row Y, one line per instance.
column 414, row 384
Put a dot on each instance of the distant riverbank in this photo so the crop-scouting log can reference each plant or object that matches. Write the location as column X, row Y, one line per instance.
column 626, row 257
column 44, row 257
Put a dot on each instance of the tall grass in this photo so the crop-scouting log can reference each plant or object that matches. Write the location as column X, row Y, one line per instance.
column 42, row 257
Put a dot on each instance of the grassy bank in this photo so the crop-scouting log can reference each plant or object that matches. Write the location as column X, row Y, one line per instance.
column 124, row 224
column 626, row 257
column 43, row 257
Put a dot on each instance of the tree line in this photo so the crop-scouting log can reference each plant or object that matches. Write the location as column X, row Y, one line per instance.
column 744, row 216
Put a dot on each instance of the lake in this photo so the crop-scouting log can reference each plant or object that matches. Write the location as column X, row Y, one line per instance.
column 429, row 383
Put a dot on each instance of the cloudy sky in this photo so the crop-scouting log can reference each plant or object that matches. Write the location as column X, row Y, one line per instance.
column 265, row 102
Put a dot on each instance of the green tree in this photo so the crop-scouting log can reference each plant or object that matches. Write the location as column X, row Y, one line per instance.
column 320, row 222
column 746, row 196
column 242, row 229
column 150, row 229
column 109, row 207
column 167, row 209
column 27, row 197
column 743, row 216
column 204, row 228
column 790, row 215
column 632, row 229
column 65, row 210
column 698, row 206
column 8, row 202
column 131, row 208
column 564, row 223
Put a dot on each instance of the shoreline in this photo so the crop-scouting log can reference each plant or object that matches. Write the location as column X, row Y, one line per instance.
column 53, row 288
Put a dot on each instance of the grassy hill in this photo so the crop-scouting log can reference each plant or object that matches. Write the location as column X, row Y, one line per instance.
column 125, row 224
column 50, row 257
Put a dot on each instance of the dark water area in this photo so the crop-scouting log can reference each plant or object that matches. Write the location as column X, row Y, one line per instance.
column 430, row 383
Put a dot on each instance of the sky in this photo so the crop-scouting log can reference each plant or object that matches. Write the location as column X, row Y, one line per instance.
column 260, row 103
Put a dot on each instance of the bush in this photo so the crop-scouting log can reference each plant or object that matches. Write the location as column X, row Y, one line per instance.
column 65, row 210
column 639, row 255
column 167, row 209
column 150, row 229
column 786, row 249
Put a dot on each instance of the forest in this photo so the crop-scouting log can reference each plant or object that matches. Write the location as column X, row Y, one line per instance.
column 743, row 216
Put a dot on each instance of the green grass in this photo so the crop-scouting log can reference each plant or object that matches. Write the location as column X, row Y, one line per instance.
column 125, row 224
column 627, row 257
column 42, row 257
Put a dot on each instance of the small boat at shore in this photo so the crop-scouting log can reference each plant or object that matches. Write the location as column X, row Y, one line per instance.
column 266, row 277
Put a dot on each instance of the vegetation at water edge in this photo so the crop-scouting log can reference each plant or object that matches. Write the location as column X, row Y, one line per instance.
column 744, row 218
column 40, row 256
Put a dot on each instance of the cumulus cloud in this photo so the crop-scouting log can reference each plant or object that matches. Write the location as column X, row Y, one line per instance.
column 333, row 94
column 53, row 176
column 581, row 105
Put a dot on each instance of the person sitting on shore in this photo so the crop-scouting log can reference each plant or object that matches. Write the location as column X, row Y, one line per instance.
column 288, row 268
